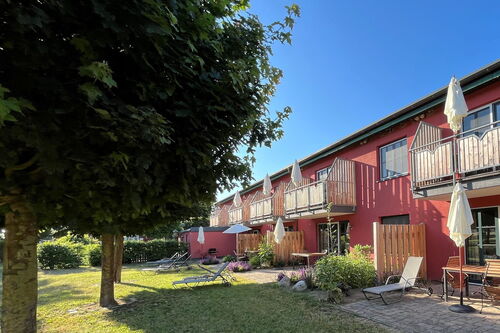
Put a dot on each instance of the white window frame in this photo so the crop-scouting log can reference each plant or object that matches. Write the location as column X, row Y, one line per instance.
column 321, row 170
column 380, row 160
column 480, row 108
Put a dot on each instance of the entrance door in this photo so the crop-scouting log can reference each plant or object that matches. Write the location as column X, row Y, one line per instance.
column 484, row 242
column 333, row 237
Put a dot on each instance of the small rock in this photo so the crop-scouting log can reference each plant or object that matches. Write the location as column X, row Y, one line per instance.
column 284, row 282
column 300, row 286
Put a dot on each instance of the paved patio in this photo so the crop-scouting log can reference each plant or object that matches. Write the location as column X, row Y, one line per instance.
column 417, row 312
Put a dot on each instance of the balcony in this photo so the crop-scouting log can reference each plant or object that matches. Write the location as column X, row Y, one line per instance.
column 335, row 195
column 240, row 214
column 472, row 156
column 266, row 208
column 219, row 217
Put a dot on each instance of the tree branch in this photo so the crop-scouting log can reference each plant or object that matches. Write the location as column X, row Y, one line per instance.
column 25, row 165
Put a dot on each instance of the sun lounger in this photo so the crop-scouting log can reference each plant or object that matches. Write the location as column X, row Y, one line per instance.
column 173, row 265
column 210, row 277
column 406, row 280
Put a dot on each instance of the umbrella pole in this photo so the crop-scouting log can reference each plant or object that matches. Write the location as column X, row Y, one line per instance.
column 461, row 308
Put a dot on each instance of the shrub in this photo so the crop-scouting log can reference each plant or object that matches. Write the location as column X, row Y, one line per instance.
column 209, row 261
column 361, row 251
column 255, row 261
column 94, row 254
column 229, row 259
column 239, row 266
column 266, row 253
column 54, row 255
column 140, row 251
column 332, row 271
column 303, row 274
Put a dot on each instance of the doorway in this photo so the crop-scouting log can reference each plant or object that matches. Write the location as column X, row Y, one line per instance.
column 484, row 243
column 333, row 237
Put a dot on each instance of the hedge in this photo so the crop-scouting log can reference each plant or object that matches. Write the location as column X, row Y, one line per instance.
column 140, row 251
column 54, row 255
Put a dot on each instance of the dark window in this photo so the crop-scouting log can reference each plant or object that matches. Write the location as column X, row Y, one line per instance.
column 394, row 160
column 322, row 174
column 478, row 120
column 397, row 219
column 289, row 228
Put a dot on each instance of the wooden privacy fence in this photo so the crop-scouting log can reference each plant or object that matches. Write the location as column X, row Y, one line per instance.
column 292, row 242
column 248, row 242
column 393, row 244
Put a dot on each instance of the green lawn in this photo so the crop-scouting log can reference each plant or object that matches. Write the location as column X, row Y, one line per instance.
column 67, row 304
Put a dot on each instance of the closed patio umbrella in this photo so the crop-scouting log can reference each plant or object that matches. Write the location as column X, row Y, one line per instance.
column 459, row 224
column 237, row 199
column 279, row 231
column 455, row 107
column 201, row 235
column 267, row 186
column 296, row 174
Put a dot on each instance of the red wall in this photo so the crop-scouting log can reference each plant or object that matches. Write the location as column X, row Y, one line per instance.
column 224, row 243
column 376, row 198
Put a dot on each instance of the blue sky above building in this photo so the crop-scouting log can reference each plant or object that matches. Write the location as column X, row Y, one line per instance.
column 353, row 62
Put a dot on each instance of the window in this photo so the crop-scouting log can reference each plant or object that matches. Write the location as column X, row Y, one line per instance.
column 322, row 174
column 480, row 119
column 289, row 228
column 397, row 219
column 394, row 160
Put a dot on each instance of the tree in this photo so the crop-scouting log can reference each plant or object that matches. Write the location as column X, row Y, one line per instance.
column 114, row 111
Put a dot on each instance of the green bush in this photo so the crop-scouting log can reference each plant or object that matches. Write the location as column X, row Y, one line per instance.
column 94, row 254
column 141, row 251
column 54, row 255
column 266, row 253
column 361, row 251
column 255, row 261
column 229, row 259
column 332, row 271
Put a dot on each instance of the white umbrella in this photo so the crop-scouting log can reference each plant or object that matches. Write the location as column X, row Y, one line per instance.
column 267, row 186
column 237, row 199
column 296, row 174
column 236, row 229
column 279, row 231
column 459, row 224
column 201, row 235
column 455, row 107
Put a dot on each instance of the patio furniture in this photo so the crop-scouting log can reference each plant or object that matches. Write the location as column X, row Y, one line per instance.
column 406, row 280
column 453, row 278
column 173, row 265
column 308, row 255
column 225, row 277
column 490, row 287
column 240, row 256
column 467, row 269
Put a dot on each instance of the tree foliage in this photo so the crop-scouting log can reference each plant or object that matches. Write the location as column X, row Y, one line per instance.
column 113, row 111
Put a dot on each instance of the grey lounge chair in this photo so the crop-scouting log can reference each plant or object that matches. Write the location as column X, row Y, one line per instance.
column 212, row 276
column 170, row 265
column 407, row 280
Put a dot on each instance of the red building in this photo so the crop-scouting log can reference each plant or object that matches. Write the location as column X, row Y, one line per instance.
column 397, row 170
column 215, row 238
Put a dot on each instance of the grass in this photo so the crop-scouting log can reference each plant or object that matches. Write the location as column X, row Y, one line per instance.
column 67, row 303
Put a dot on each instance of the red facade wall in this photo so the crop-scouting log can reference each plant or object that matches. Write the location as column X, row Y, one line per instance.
column 376, row 198
column 224, row 243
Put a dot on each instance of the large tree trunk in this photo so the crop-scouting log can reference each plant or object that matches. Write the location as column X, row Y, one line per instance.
column 20, row 270
column 118, row 258
column 107, row 298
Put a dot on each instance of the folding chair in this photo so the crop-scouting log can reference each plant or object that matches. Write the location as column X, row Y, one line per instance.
column 203, row 279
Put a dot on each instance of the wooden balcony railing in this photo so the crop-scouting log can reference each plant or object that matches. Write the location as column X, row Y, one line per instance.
column 434, row 160
column 241, row 213
column 264, row 208
column 220, row 216
column 338, row 189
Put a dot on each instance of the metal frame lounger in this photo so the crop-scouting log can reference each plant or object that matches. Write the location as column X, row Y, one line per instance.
column 202, row 279
column 169, row 265
column 407, row 280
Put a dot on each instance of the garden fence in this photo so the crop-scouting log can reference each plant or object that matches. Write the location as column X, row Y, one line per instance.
column 292, row 242
column 393, row 244
column 248, row 242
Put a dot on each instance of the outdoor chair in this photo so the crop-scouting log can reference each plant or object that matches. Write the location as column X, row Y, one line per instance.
column 406, row 280
column 490, row 287
column 454, row 278
column 240, row 256
column 225, row 277
column 165, row 266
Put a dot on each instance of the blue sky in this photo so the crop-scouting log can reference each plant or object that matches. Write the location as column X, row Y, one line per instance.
column 353, row 62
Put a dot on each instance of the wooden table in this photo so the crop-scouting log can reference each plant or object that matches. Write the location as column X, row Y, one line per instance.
column 308, row 255
column 469, row 269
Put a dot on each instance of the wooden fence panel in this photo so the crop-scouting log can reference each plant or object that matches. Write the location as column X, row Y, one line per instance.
column 248, row 242
column 393, row 244
column 292, row 242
